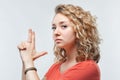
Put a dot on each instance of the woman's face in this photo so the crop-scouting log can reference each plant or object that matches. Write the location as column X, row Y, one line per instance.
column 63, row 33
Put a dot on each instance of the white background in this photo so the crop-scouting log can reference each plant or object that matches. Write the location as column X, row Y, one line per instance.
column 17, row 16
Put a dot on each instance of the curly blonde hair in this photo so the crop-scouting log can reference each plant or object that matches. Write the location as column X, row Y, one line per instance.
column 87, row 38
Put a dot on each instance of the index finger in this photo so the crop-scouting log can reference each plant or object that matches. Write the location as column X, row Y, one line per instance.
column 29, row 35
column 33, row 39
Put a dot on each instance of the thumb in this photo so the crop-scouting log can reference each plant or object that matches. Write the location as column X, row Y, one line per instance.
column 39, row 54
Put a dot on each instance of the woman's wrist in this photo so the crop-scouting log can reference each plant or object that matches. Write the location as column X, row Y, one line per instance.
column 28, row 64
column 30, row 69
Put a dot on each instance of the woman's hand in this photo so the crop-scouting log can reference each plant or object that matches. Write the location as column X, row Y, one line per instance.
column 27, row 48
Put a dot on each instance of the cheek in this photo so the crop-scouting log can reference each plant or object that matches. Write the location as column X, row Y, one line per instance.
column 70, row 36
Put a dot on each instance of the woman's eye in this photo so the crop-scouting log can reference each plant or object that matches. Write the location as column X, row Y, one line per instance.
column 64, row 26
column 53, row 28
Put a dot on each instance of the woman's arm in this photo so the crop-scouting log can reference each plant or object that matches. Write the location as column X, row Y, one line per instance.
column 28, row 55
column 23, row 75
column 30, row 71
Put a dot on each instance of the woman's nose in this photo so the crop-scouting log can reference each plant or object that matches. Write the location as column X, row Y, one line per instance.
column 57, row 32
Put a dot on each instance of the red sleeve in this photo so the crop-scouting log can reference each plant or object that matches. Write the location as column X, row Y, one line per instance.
column 90, row 72
column 52, row 68
column 87, row 70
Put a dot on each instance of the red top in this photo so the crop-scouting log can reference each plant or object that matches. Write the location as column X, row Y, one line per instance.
column 86, row 70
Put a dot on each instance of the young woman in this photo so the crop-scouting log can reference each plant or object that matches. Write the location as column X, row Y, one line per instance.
column 76, row 47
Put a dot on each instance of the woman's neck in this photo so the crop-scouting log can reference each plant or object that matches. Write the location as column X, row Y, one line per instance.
column 71, row 53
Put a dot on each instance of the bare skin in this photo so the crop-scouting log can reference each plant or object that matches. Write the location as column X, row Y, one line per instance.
column 28, row 54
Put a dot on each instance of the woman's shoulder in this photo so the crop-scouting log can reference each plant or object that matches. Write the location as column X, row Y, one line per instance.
column 87, row 63
column 54, row 66
column 85, row 70
column 89, row 69
column 88, row 66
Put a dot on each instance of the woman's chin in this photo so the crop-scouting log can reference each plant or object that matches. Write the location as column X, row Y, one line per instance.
column 60, row 45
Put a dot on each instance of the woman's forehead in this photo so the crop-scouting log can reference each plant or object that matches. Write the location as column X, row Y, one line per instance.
column 60, row 18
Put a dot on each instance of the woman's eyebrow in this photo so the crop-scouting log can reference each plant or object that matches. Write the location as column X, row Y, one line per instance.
column 60, row 22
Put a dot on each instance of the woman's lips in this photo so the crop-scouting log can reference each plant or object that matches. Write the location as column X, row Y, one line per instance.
column 58, row 40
